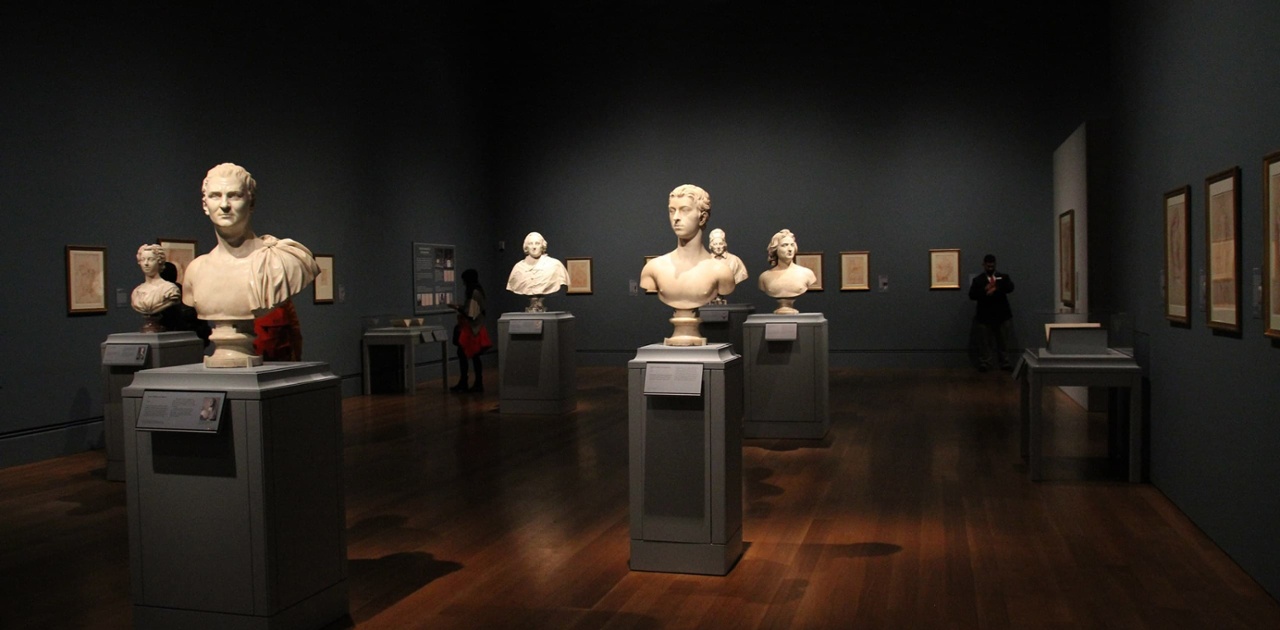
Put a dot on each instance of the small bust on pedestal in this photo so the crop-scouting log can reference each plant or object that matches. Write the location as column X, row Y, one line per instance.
column 155, row 294
column 245, row 275
column 538, row 275
column 687, row 277
column 720, row 250
column 785, row 280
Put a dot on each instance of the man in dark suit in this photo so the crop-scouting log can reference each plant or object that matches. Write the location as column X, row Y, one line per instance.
column 989, row 289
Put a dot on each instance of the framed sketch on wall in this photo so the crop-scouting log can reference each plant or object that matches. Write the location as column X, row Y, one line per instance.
column 813, row 262
column 1067, row 258
column 180, row 252
column 323, row 285
column 1222, row 229
column 86, row 280
column 1177, row 256
column 944, row 269
column 579, row 275
column 854, row 274
column 1271, row 249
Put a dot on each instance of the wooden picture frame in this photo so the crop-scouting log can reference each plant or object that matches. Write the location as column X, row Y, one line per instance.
column 180, row 252
column 322, row 288
column 1271, row 247
column 86, row 279
column 855, row 271
column 1222, row 247
column 944, row 269
column 1067, row 258
column 1177, row 255
column 812, row 261
column 580, row 279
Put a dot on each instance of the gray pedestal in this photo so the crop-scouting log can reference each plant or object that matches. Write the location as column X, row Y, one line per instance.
column 722, row 323
column 122, row 356
column 685, row 459
column 787, row 378
column 537, row 363
column 245, row 527
column 399, row 367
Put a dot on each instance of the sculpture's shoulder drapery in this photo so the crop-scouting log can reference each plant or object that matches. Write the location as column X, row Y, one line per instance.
column 279, row 269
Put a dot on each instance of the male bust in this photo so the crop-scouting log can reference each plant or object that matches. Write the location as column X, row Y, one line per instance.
column 785, row 279
column 244, row 275
column 537, row 274
column 688, row 276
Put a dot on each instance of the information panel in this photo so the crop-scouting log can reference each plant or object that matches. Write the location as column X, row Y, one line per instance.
column 673, row 379
column 434, row 278
column 192, row 412
column 126, row 354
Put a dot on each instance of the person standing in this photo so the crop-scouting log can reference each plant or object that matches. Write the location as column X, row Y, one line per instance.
column 470, row 335
column 990, row 290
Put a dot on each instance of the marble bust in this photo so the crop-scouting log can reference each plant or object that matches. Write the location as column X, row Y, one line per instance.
column 687, row 277
column 785, row 280
column 719, row 247
column 245, row 275
column 538, row 274
column 155, row 294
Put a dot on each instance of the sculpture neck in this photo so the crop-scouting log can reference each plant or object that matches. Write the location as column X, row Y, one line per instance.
column 235, row 242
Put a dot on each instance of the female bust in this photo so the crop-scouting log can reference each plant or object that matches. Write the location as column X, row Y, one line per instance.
column 155, row 294
column 785, row 279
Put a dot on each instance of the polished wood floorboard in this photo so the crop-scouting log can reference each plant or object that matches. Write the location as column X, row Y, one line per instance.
column 915, row 512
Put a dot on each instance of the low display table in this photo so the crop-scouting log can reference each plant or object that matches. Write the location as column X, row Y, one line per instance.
column 537, row 363
column 684, row 409
column 123, row 354
column 1038, row 368
column 788, row 383
column 722, row 323
column 403, row 342
column 235, row 497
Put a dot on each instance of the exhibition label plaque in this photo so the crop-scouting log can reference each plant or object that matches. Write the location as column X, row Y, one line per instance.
column 673, row 379
column 438, row 335
column 191, row 412
column 526, row 327
column 714, row 315
column 130, row 354
column 780, row 332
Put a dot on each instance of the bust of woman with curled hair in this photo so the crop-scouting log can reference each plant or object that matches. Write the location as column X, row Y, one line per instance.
column 245, row 275
column 537, row 275
column 155, row 294
column 785, row 280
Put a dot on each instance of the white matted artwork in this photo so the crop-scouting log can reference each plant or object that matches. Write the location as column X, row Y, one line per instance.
column 854, row 271
column 180, row 252
column 579, row 275
column 944, row 269
column 813, row 262
column 324, row 282
column 86, row 280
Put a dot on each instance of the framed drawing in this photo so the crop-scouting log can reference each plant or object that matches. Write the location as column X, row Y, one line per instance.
column 180, row 252
column 579, row 275
column 854, row 268
column 1177, row 259
column 324, row 283
column 1067, row 258
column 812, row 261
column 1222, row 227
column 944, row 269
column 1271, row 250
column 86, row 280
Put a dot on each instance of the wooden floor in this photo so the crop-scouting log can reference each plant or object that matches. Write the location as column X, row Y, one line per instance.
column 916, row 512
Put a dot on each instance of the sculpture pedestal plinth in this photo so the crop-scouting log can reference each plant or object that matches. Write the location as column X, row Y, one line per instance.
column 232, row 345
column 685, row 322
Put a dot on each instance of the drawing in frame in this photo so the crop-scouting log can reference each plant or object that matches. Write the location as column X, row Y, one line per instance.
column 1177, row 255
column 812, row 261
column 855, row 271
column 324, row 282
column 1222, row 247
column 579, row 276
column 180, row 252
column 944, row 269
column 86, row 280
column 1067, row 258
column 1271, row 248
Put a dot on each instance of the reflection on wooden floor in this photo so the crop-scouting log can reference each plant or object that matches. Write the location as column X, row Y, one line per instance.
column 915, row 512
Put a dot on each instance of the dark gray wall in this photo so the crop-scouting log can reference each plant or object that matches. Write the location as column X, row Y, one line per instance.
column 357, row 126
column 1197, row 92
column 890, row 131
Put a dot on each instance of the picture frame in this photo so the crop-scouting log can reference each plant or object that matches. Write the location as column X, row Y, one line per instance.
column 1177, row 255
column 580, row 280
column 86, row 279
column 813, row 261
column 855, row 271
column 180, row 252
column 1222, row 247
column 1271, row 248
column 944, row 269
column 1067, row 258
column 322, row 288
